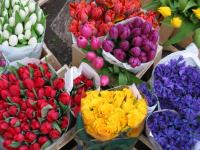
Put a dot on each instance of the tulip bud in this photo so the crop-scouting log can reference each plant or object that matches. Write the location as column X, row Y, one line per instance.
column 5, row 43
column 28, row 34
column 5, row 34
column 95, row 43
column 31, row 6
column 98, row 62
column 26, row 10
column 119, row 54
column 32, row 41
column 24, row 2
column 90, row 56
column 136, row 31
column 16, row 8
column 5, row 13
column 21, row 37
column 137, row 22
column 22, row 14
column 5, row 26
column 107, row 45
column 125, row 33
column 113, row 32
column 7, row 3
column 13, row 40
column 151, row 55
column 134, row 62
column 13, row 2
column 137, row 41
column 124, row 45
column 135, row 51
column 12, row 21
column 104, row 80
column 146, row 28
column 19, row 29
column 13, row 14
column 39, row 15
column 33, row 18
column 82, row 42
column 86, row 31
column 40, row 29
column 28, row 25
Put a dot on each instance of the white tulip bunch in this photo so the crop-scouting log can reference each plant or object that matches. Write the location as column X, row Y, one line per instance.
column 22, row 22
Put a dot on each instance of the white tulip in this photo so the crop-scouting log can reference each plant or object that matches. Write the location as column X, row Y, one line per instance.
column 12, row 21
column 28, row 25
column 28, row 34
column 1, row 19
column 31, row 6
column 5, row 13
column 24, row 2
column 39, row 14
column 26, row 10
column 5, row 34
column 13, row 14
column 40, row 29
column 16, row 8
column 7, row 3
column 13, row 40
column 5, row 43
column 5, row 26
column 32, row 41
column 33, row 18
column 19, row 29
column 14, row 2
column 22, row 14
column 21, row 37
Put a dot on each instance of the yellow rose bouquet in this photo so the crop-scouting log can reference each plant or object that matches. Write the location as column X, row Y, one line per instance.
column 112, row 118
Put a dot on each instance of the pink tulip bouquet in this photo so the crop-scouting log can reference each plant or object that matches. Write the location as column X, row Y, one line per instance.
column 131, row 43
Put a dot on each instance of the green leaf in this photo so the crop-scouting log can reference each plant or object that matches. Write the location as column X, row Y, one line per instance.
column 197, row 37
column 85, row 60
column 37, row 132
column 13, row 70
column 17, row 123
column 10, row 29
column 45, row 110
column 14, row 144
column 122, row 79
column 116, row 69
column 17, row 18
column 189, row 5
column 154, row 5
column 45, row 145
column 56, row 126
column 185, row 30
column 31, row 72
column 64, row 107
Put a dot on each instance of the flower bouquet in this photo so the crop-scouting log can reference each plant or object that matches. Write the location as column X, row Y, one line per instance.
column 22, row 28
column 183, row 15
column 176, row 82
column 111, row 119
column 131, row 44
column 34, row 107
column 78, row 81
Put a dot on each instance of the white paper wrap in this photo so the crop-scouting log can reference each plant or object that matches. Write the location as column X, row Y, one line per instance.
column 84, row 69
column 111, row 59
column 15, row 53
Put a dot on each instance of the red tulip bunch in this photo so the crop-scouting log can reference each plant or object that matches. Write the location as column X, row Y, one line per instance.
column 81, row 85
column 33, row 107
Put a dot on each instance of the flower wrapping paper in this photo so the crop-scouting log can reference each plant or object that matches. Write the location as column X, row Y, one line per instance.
column 111, row 59
column 84, row 69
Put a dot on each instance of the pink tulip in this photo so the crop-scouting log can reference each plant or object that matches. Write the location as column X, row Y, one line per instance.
column 105, row 81
column 91, row 56
column 95, row 43
column 98, row 62
column 86, row 31
column 82, row 42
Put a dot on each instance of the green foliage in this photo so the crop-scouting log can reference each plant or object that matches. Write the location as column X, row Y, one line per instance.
column 197, row 37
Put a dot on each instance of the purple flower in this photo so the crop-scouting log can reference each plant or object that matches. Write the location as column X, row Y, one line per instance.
column 137, row 41
column 119, row 54
column 113, row 32
column 135, row 51
column 82, row 42
column 136, row 31
column 146, row 27
column 108, row 45
column 124, row 45
column 134, row 62
column 137, row 22
column 125, row 33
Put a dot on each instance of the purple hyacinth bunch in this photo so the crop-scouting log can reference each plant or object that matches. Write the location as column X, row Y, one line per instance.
column 136, row 39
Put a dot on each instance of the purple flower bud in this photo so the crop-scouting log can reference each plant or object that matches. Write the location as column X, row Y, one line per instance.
column 143, row 54
column 107, row 45
column 153, row 46
column 137, row 22
column 154, row 36
column 125, row 33
column 113, row 32
column 91, row 56
column 137, row 41
column 124, row 45
column 130, row 25
column 146, row 46
column 136, row 31
column 143, row 59
column 151, row 55
column 120, row 28
column 98, row 62
column 134, row 62
column 146, row 28
column 86, row 31
column 119, row 54
column 82, row 42
column 95, row 43
column 135, row 51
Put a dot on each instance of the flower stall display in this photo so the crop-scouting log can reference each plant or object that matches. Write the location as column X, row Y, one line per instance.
column 22, row 28
column 176, row 82
column 183, row 15
column 131, row 44
column 78, row 82
column 111, row 116
column 34, row 106
column 3, row 63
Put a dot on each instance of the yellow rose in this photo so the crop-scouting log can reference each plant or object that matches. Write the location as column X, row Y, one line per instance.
column 176, row 22
column 141, row 106
column 196, row 12
column 165, row 11
column 105, row 110
column 135, row 118
column 88, row 117
column 127, row 105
